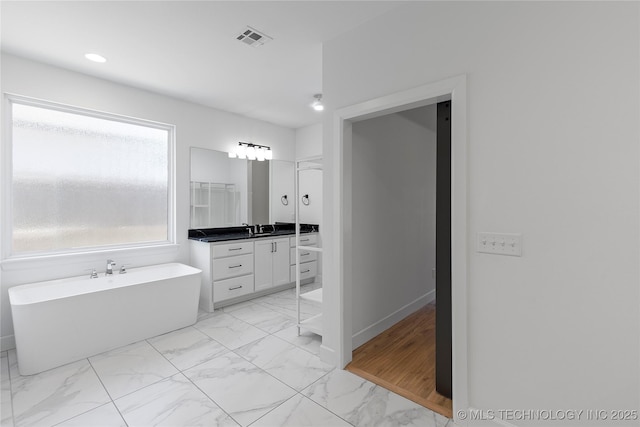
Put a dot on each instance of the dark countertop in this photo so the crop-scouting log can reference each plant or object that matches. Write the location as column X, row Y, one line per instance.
column 209, row 235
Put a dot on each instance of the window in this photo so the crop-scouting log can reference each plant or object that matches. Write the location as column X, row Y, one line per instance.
column 82, row 180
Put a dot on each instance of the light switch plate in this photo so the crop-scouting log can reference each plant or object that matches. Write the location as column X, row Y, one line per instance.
column 500, row 243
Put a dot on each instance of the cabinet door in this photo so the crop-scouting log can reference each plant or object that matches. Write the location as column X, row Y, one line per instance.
column 281, row 262
column 263, row 266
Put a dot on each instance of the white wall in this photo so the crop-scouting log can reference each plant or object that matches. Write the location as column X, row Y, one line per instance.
column 282, row 183
column 311, row 184
column 309, row 141
column 394, row 218
column 553, row 154
column 309, row 144
column 195, row 126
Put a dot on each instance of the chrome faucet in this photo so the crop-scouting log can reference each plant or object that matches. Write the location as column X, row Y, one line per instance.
column 249, row 228
column 110, row 265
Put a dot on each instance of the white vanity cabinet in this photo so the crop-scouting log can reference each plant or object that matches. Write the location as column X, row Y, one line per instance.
column 227, row 270
column 238, row 270
column 271, row 263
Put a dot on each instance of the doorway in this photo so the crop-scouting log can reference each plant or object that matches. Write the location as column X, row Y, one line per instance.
column 400, row 169
column 341, row 335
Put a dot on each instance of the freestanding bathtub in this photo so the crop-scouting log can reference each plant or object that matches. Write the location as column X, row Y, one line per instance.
column 62, row 321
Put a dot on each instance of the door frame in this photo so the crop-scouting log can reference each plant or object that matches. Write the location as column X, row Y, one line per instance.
column 454, row 89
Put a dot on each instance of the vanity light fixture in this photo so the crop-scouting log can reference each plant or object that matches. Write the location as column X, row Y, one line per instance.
column 95, row 57
column 317, row 104
column 246, row 150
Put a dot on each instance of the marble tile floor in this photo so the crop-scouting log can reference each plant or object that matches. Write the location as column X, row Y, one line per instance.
column 243, row 365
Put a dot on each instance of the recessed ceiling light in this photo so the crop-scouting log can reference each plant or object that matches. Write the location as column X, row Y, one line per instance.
column 317, row 104
column 95, row 57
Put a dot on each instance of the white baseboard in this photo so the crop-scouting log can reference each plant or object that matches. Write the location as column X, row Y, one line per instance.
column 7, row 343
column 380, row 326
column 328, row 355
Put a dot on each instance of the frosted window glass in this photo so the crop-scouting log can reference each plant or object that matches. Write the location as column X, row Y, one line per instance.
column 82, row 181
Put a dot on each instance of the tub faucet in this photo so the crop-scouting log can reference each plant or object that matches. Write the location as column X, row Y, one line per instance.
column 110, row 265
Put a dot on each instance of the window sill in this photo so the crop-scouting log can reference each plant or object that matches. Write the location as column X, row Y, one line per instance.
column 131, row 255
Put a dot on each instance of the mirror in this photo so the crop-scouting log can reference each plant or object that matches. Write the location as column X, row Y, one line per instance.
column 227, row 192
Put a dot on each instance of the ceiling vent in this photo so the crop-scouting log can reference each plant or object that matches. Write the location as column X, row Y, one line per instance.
column 253, row 37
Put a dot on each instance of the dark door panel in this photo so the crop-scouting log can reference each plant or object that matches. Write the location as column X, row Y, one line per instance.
column 443, row 251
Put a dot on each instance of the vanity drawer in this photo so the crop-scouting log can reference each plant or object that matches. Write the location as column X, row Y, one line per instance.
column 305, row 240
column 232, row 249
column 232, row 266
column 305, row 256
column 231, row 288
column 307, row 270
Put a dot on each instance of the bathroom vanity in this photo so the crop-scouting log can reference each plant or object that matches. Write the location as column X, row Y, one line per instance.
column 238, row 265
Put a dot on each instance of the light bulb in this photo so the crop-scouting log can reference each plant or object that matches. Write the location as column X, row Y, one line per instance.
column 242, row 152
column 251, row 153
column 317, row 104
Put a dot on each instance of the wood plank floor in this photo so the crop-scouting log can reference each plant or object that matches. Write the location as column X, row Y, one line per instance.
column 403, row 359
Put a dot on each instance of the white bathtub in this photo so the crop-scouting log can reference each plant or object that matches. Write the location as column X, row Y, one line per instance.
column 61, row 321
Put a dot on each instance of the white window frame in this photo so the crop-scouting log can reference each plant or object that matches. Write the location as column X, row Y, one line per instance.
column 9, row 259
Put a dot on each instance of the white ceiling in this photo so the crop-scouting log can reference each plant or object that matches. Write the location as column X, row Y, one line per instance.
column 188, row 49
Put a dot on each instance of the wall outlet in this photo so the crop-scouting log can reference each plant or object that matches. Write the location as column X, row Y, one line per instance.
column 500, row 243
